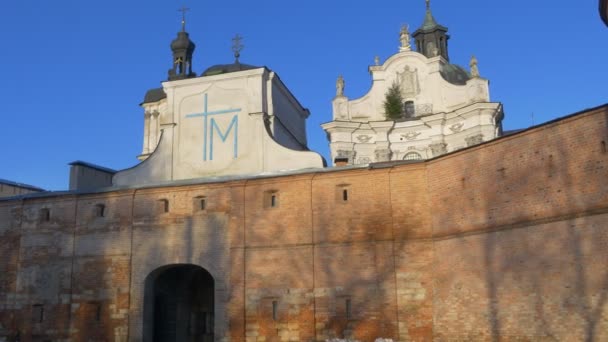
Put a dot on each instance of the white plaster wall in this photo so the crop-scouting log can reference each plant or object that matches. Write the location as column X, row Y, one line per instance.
column 235, row 140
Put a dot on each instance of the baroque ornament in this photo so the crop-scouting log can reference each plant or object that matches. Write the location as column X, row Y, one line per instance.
column 410, row 135
column 457, row 127
column 364, row 138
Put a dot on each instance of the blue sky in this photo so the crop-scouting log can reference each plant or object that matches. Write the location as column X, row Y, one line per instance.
column 75, row 71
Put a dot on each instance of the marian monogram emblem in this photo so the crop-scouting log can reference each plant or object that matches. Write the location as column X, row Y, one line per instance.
column 212, row 130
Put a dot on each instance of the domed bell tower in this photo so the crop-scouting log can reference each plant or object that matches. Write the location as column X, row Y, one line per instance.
column 432, row 38
column 182, row 48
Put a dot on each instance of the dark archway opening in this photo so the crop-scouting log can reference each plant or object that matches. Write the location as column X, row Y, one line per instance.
column 179, row 305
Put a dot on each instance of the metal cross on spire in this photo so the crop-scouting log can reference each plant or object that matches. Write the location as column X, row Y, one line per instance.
column 184, row 9
column 237, row 46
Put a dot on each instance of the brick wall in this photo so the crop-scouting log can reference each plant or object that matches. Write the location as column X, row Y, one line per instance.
column 507, row 239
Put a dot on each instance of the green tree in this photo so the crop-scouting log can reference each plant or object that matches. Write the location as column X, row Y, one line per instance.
column 393, row 103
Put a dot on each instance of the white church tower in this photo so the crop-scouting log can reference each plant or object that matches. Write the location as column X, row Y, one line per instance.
column 234, row 119
column 419, row 106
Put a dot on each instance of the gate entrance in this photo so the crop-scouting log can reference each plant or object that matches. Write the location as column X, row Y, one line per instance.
column 179, row 305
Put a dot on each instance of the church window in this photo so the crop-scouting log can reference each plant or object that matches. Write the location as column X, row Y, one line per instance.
column 412, row 156
column 37, row 313
column 345, row 195
column 409, row 109
column 100, row 210
column 275, row 310
column 163, row 205
column 45, row 215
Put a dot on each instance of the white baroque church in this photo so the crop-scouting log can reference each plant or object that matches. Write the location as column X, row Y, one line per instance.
column 444, row 107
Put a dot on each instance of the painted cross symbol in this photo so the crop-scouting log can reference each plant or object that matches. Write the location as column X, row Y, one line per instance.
column 208, row 131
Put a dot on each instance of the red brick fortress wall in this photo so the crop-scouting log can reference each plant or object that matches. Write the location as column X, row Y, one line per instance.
column 505, row 240
column 520, row 235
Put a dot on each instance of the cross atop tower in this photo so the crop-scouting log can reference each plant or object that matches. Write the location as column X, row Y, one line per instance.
column 184, row 9
column 237, row 46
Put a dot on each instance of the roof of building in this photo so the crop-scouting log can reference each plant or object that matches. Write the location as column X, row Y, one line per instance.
column 154, row 95
column 455, row 74
column 430, row 23
column 219, row 69
column 93, row 166
column 20, row 185
column 604, row 11
column 157, row 94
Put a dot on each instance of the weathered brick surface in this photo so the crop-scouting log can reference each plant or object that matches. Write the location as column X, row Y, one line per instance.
column 506, row 240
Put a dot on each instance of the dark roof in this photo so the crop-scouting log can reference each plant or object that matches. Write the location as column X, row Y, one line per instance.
column 227, row 68
column 154, row 95
column 430, row 23
column 20, row 185
column 604, row 11
column 157, row 94
column 455, row 74
column 512, row 131
column 93, row 166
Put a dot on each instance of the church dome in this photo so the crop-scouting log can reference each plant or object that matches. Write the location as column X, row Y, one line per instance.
column 227, row 68
column 182, row 42
column 455, row 74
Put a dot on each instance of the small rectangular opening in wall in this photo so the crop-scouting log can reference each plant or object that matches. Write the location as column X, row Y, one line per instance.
column 200, row 203
column 343, row 193
column 603, row 147
column 100, row 210
column 163, row 205
column 37, row 313
column 45, row 215
column 275, row 308
column 348, row 306
column 271, row 199
column 94, row 311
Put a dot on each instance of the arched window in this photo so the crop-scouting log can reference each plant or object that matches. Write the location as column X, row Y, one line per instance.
column 412, row 156
column 409, row 109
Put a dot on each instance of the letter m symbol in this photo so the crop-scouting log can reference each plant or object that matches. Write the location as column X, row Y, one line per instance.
column 224, row 135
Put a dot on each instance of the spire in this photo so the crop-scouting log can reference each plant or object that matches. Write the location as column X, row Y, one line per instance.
column 184, row 9
column 429, row 20
column 182, row 48
column 432, row 38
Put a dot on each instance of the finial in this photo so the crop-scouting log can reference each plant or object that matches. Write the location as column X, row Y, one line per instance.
column 184, row 9
column 237, row 47
column 377, row 60
column 428, row 5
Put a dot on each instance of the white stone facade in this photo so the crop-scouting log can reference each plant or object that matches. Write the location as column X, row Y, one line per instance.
column 237, row 123
column 444, row 116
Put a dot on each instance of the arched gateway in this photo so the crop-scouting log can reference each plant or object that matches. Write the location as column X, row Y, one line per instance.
column 179, row 304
